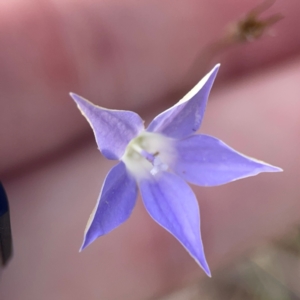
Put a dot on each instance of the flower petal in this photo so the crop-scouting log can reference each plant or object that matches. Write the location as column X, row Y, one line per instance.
column 173, row 205
column 185, row 117
column 113, row 129
column 114, row 206
column 207, row 161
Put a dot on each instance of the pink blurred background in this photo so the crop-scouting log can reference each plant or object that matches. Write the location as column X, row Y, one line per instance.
column 134, row 55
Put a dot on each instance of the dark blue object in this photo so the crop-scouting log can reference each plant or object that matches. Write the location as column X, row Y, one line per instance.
column 3, row 201
column 5, row 230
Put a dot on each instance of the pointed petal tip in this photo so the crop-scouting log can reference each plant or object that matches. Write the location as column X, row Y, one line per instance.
column 266, row 168
column 270, row 168
column 84, row 245
column 81, row 249
column 208, row 273
column 82, row 104
column 210, row 77
column 77, row 98
column 216, row 67
column 214, row 70
column 73, row 96
column 80, row 100
column 276, row 169
column 204, row 266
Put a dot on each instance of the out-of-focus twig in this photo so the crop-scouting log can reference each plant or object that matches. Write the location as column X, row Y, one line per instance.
column 247, row 29
column 252, row 27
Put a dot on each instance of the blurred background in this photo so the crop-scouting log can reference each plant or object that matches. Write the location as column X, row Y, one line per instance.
column 144, row 56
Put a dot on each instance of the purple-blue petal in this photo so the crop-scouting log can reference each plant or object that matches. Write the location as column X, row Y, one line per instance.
column 173, row 205
column 115, row 204
column 207, row 161
column 185, row 117
column 113, row 129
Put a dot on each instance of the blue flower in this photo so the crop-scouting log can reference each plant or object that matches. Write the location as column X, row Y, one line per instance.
column 159, row 160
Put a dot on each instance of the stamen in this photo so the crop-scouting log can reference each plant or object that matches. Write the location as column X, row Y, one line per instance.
column 158, row 166
column 148, row 154
column 144, row 153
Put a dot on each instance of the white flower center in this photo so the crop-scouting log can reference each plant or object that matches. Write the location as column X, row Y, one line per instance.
column 148, row 154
